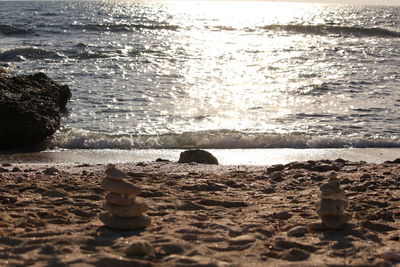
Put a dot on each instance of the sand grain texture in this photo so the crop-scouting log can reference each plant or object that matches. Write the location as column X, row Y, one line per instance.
column 201, row 216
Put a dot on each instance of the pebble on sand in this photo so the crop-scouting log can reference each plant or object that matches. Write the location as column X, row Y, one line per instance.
column 297, row 231
column 138, row 247
column 198, row 156
column 119, row 199
column 113, row 173
column 135, row 209
column 120, row 187
column 120, row 223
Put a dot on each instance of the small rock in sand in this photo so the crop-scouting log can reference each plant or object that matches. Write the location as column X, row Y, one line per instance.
column 335, row 222
column 342, row 245
column 139, row 247
column 120, row 187
column 51, row 171
column 162, row 160
column 120, row 223
column 119, row 199
column 198, row 156
column 297, row 231
column 133, row 210
column 331, row 207
column 114, row 173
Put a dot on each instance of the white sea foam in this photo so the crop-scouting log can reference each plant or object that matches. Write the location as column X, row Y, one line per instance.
column 80, row 139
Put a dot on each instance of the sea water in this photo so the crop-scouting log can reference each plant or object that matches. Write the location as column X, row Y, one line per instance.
column 213, row 74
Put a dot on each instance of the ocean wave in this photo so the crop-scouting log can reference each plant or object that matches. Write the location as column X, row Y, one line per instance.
column 329, row 29
column 80, row 139
column 221, row 28
column 316, row 89
column 85, row 52
column 89, row 54
column 321, row 29
column 8, row 29
column 24, row 53
column 122, row 27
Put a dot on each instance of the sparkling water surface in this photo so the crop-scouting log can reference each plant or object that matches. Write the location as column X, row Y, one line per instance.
column 181, row 74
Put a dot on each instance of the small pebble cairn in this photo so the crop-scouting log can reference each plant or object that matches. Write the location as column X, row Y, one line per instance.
column 332, row 207
column 123, row 211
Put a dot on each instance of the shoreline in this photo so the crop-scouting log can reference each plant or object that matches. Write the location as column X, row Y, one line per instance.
column 251, row 157
column 202, row 215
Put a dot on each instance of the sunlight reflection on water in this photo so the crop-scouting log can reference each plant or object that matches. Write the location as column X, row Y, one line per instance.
column 142, row 68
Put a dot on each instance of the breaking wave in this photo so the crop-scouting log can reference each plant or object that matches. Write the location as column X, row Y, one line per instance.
column 80, row 139
column 331, row 29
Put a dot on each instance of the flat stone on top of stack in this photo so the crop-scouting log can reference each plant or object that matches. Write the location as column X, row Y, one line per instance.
column 123, row 211
column 332, row 207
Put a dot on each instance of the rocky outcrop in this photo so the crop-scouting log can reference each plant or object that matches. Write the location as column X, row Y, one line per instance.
column 30, row 108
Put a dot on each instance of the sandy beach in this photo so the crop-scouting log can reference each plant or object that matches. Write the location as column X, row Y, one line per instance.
column 202, row 215
column 297, row 105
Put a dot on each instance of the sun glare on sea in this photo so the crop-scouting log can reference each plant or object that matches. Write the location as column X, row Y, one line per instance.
column 233, row 56
column 242, row 13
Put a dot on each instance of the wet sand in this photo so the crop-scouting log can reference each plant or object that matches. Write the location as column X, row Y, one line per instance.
column 201, row 215
column 261, row 156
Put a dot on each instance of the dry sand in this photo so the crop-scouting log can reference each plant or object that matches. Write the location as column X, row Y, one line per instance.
column 201, row 215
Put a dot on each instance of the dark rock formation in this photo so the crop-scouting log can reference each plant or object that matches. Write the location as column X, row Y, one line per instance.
column 198, row 156
column 30, row 108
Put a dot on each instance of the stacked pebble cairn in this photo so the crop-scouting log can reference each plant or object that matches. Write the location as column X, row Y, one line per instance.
column 332, row 207
column 123, row 211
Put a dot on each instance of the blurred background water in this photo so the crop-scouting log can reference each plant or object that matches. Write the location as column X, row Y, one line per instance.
column 213, row 74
